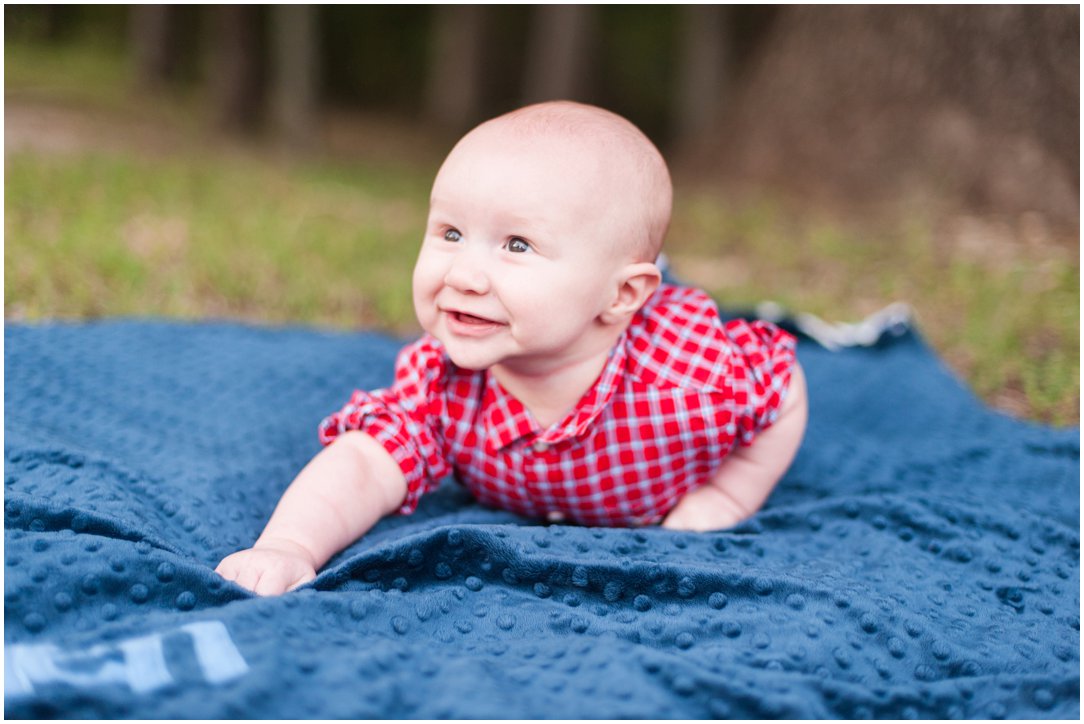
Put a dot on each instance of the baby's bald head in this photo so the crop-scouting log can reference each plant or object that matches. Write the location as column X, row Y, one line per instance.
column 633, row 193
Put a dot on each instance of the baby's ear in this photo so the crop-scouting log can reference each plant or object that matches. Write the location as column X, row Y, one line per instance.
column 635, row 285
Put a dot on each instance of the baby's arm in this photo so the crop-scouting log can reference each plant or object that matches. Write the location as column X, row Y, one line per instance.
column 334, row 500
column 748, row 474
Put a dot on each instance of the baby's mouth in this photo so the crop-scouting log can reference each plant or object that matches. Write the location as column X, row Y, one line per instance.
column 465, row 318
column 466, row 323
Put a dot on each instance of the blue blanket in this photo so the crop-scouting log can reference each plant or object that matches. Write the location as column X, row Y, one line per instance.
column 920, row 559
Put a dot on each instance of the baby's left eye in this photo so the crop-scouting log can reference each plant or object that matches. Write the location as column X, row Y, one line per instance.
column 517, row 245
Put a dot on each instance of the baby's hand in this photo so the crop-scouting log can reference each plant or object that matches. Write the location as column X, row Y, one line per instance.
column 706, row 508
column 269, row 568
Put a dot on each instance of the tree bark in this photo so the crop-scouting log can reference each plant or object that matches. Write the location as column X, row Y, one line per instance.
column 453, row 96
column 154, row 42
column 235, row 67
column 296, row 74
column 702, row 88
column 558, row 53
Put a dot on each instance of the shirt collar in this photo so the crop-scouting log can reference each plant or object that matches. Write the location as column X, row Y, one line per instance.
column 507, row 420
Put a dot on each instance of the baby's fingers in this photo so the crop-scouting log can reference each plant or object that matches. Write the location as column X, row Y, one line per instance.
column 248, row 577
column 273, row 581
column 228, row 569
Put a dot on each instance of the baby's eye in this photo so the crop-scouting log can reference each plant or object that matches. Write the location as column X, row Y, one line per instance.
column 517, row 245
column 452, row 235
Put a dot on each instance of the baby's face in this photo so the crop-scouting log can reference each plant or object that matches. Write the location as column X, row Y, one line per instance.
column 519, row 257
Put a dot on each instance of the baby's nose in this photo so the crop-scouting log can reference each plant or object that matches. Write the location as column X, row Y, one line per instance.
column 467, row 275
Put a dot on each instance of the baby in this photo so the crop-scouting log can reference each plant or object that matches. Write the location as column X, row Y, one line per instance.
column 559, row 378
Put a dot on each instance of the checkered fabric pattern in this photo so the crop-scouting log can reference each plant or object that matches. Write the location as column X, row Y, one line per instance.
column 679, row 390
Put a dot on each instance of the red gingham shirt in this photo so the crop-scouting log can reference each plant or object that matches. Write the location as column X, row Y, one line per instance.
column 679, row 389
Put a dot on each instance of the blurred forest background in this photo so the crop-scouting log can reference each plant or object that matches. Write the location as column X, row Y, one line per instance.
column 272, row 163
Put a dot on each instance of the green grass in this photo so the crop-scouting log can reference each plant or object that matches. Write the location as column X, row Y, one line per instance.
column 98, row 235
column 212, row 231
column 88, row 71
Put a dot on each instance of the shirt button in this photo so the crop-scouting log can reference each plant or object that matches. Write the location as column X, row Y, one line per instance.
column 540, row 447
column 555, row 516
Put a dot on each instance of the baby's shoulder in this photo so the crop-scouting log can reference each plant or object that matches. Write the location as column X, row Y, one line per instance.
column 677, row 340
column 678, row 306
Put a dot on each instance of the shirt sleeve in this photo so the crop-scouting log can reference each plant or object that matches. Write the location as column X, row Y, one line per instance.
column 761, row 363
column 405, row 418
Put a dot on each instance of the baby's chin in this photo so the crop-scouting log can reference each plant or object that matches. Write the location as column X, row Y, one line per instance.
column 465, row 360
column 464, row 354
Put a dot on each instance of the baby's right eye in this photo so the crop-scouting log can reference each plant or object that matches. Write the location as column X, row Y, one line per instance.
column 452, row 235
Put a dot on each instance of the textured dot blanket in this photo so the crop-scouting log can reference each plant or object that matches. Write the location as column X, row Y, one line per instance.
column 920, row 559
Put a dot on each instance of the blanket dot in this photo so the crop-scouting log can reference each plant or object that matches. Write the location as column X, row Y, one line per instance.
column 357, row 610
column 1043, row 698
column 686, row 588
column 641, row 603
column 925, row 673
column 63, row 602
column 843, row 659
column 684, row 685
column 139, row 593
column 473, row 583
column 579, row 577
column 717, row 600
column 186, row 601
column 940, row 650
column 89, row 584
column 165, row 572
column 34, row 622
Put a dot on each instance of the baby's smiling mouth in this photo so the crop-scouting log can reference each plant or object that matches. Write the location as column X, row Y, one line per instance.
column 471, row 320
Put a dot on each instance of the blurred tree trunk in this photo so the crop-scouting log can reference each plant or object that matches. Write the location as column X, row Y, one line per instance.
column 296, row 74
column 702, row 88
column 235, row 67
column 969, row 106
column 558, row 52
column 453, row 95
column 154, row 40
